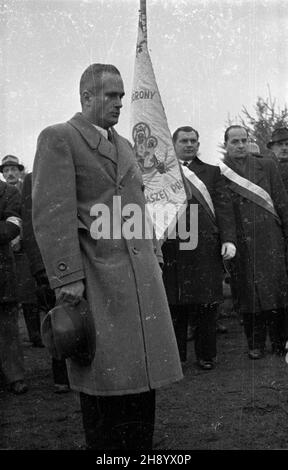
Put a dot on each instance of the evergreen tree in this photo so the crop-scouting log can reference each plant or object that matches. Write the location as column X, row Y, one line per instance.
column 260, row 126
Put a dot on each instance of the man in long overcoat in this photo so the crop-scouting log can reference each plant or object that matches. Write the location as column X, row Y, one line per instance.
column 84, row 169
column 45, row 295
column 259, row 270
column 26, row 287
column 193, row 278
column 11, row 356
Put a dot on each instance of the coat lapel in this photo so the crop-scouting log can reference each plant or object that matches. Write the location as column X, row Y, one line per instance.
column 126, row 158
column 93, row 137
column 256, row 172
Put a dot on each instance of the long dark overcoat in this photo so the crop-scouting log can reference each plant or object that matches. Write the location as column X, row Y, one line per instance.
column 259, row 270
column 75, row 168
column 196, row 276
column 10, row 202
column 28, row 237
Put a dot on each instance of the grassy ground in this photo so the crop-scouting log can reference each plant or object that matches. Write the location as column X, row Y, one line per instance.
column 242, row 404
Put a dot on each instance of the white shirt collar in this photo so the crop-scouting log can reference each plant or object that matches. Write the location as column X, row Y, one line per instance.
column 102, row 131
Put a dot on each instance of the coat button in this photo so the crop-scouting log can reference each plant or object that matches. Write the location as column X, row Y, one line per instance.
column 120, row 187
column 135, row 250
column 62, row 266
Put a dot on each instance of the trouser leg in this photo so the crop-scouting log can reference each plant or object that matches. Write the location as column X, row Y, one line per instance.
column 32, row 319
column 59, row 370
column 276, row 328
column 11, row 355
column 285, row 327
column 205, row 332
column 123, row 422
column 255, row 329
column 179, row 314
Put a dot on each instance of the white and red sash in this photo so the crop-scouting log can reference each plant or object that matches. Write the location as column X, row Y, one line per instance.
column 199, row 191
column 249, row 190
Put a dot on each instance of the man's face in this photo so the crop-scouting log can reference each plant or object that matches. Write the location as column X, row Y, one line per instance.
column 186, row 145
column 237, row 143
column 280, row 149
column 105, row 105
column 11, row 174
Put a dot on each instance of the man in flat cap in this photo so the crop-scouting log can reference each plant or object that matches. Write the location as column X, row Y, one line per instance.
column 26, row 287
column 11, row 355
column 11, row 170
column 279, row 146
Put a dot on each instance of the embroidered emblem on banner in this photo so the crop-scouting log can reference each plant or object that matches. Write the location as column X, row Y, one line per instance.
column 145, row 148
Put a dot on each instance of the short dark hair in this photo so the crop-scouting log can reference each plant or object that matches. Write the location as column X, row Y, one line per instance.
column 184, row 129
column 91, row 77
column 234, row 126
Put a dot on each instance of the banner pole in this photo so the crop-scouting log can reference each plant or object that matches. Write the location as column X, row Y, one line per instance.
column 143, row 19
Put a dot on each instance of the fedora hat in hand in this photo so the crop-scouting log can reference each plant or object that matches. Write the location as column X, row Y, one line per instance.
column 278, row 135
column 10, row 160
column 68, row 332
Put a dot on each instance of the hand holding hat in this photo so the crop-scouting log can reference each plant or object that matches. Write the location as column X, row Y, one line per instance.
column 71, row 293
column 68, row 331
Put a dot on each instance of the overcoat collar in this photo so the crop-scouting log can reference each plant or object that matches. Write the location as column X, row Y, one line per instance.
column 2, row 187
column 93, row 137
column 254, row 170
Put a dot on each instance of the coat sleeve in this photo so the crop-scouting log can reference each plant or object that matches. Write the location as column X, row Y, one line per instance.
column 223, row 205
column 278, row 194
column 54, row 208
column 28, row 238
column 10, row 223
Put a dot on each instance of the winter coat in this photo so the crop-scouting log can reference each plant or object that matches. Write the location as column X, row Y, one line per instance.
column 259, row 272
column 75, row 168
column 196, row 276
column 9, row 207
column 28, row 237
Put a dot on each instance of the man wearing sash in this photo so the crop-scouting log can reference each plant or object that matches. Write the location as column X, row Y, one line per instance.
column 259, row 270
column 193, row 278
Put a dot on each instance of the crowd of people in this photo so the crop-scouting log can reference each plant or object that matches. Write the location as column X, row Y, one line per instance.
column 143, row 297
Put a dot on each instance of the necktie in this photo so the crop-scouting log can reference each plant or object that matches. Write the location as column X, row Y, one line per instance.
column 110, row 136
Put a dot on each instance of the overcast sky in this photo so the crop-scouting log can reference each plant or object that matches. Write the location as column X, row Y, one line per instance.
column 210, row 58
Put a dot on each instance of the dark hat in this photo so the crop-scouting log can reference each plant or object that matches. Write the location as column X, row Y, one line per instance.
column 68, row 332
column 278, row 135
column 10, row 160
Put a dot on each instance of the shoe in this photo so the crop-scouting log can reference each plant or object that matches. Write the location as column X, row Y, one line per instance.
column 38, row 344
column 18, row 387
column 255, row 354
column 278, row 351
column 221, row 329
column 61, row 388
column 205, row 365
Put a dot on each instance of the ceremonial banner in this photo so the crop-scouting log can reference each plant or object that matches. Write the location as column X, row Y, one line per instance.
column 164, row 188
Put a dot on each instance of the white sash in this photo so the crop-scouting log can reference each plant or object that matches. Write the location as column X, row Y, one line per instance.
column 193, row 178
column 247, row 184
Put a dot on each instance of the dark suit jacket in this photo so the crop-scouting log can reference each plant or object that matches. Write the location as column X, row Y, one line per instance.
column 9, row 207
column 196, row 276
